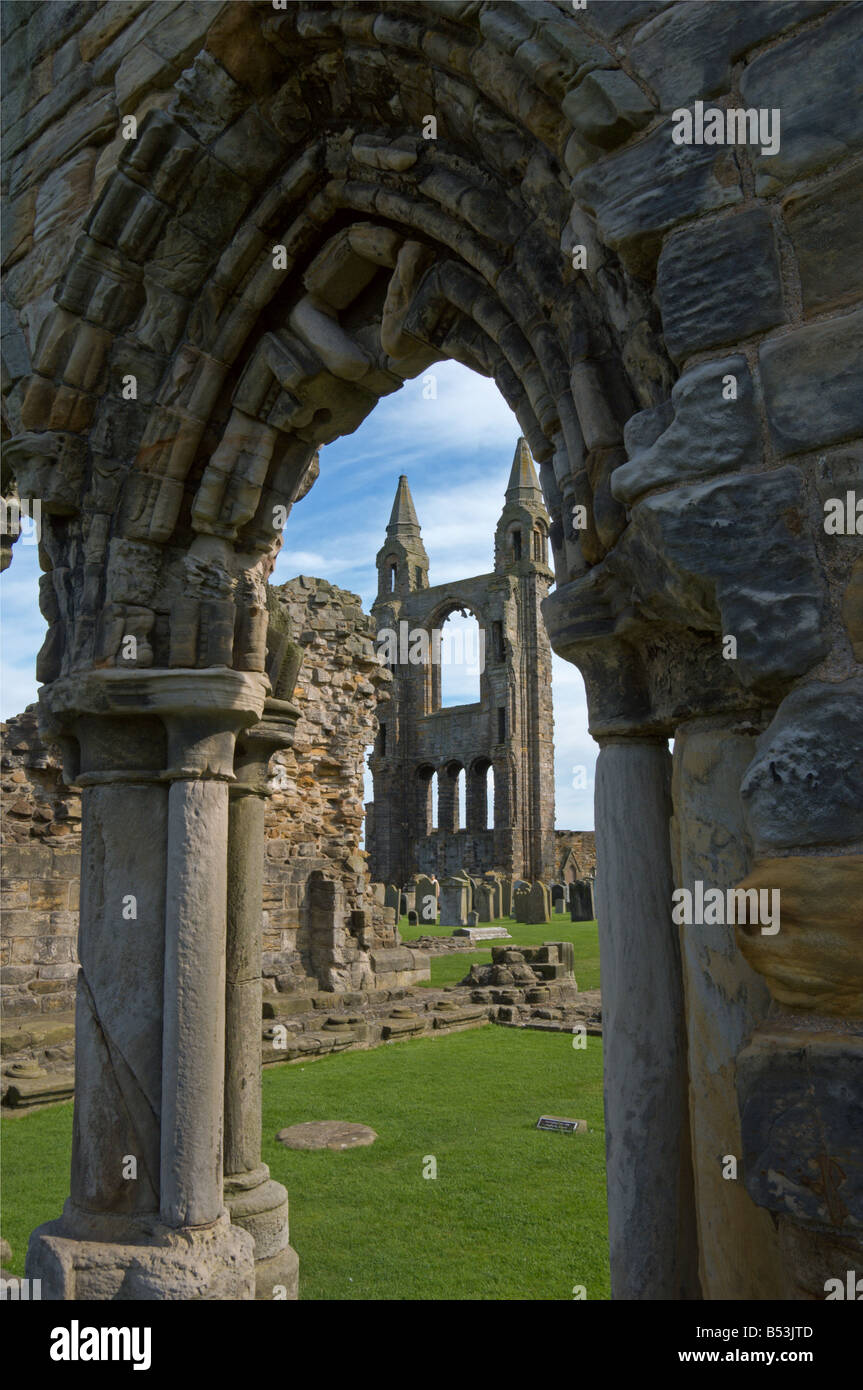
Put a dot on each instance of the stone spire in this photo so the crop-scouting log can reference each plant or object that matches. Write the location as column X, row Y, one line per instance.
column 523, row 485
column 521, row 538
column 402, row 560
column 403, row 519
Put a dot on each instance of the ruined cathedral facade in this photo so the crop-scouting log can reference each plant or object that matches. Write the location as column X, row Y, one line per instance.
column 505, row 737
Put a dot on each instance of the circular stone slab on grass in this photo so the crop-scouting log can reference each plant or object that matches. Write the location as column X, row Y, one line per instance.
column 326, row 1134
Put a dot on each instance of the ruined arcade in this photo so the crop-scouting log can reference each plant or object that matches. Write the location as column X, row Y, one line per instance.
column 505, row 736
column 231, row 229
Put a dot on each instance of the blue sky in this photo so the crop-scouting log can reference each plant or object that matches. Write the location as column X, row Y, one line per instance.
column 457, row 450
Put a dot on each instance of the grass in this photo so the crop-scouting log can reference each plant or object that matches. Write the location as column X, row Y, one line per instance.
column 514, row 1212
column 449, row 969
column 35, row 1157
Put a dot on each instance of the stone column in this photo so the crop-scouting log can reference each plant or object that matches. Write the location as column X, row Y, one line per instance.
column 651, row 1213
column 154, row 753
column 256, row 1203
column 738, row 1245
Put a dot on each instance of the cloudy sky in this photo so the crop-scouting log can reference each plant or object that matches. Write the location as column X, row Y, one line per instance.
column 457, row 451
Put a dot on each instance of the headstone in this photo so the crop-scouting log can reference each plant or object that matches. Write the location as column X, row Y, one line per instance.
column 581, row 905
column 484, row 900
column 408, row 900
column 520, row 897
column 426, row 901
column 538, row 904
column 392, row 898
column 473, row 919
column 413, row 919
column 558, row 898
column 506, row 898
column 454, row 902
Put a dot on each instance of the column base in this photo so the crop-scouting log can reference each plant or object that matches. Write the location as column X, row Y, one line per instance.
column 83, row 1257
column 259, row 1205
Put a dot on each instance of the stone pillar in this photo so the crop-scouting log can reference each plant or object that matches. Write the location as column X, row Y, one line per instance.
column 738, row 1245
column 651, row 1213
column 154, row 754
column 256, row 1203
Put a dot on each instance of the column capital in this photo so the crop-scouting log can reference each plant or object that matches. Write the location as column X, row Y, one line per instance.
column 257, row 744
column 154, row 725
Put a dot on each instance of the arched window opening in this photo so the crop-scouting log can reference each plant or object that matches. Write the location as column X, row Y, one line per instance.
column 480, row 800
column 515, row 543
column 461, row 801
column 393, row 571
column 368, row 798
column 462, row 660
column 426, row 817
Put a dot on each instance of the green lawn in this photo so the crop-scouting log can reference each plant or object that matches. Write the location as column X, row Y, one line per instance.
column 513, row 1213
column 451, row 968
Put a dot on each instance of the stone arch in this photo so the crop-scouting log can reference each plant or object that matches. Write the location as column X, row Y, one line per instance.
column 547, row 237
column 425, row 820
column 479, row 771
column 449, row 773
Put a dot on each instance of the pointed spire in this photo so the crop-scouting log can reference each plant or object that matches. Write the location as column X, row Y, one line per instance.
column 403, row 520
column 523, row 485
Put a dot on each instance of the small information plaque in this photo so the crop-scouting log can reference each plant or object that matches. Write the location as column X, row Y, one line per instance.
column 563, row 1126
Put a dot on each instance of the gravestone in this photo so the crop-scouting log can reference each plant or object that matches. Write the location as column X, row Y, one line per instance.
column 454, row 898
column 520, row 898
column 413, row 919
column 581, row 904
column 393, row 899
column 426, row 900
column 558, row 898
column 506, row 897
column 484, row 900
column 473, row 919
column 408, row 899
column 538, row 904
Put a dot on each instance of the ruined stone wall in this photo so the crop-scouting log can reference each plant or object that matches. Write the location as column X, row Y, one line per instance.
column 314, row 824
column 575, row 849
column 40, row 822
column 315, row 815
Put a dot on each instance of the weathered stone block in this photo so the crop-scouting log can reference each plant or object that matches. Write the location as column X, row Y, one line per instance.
column 687, row 51
column 811, row 381
column 803, row 785
column 708, row 434
column 719, row 283
column 814, row 962
column 814, row 81
column 827, row 233
column 641, row 192
column 801, row 1108
column 716, row 531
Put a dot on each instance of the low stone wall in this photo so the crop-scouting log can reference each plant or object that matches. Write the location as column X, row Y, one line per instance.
column 40, row 823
